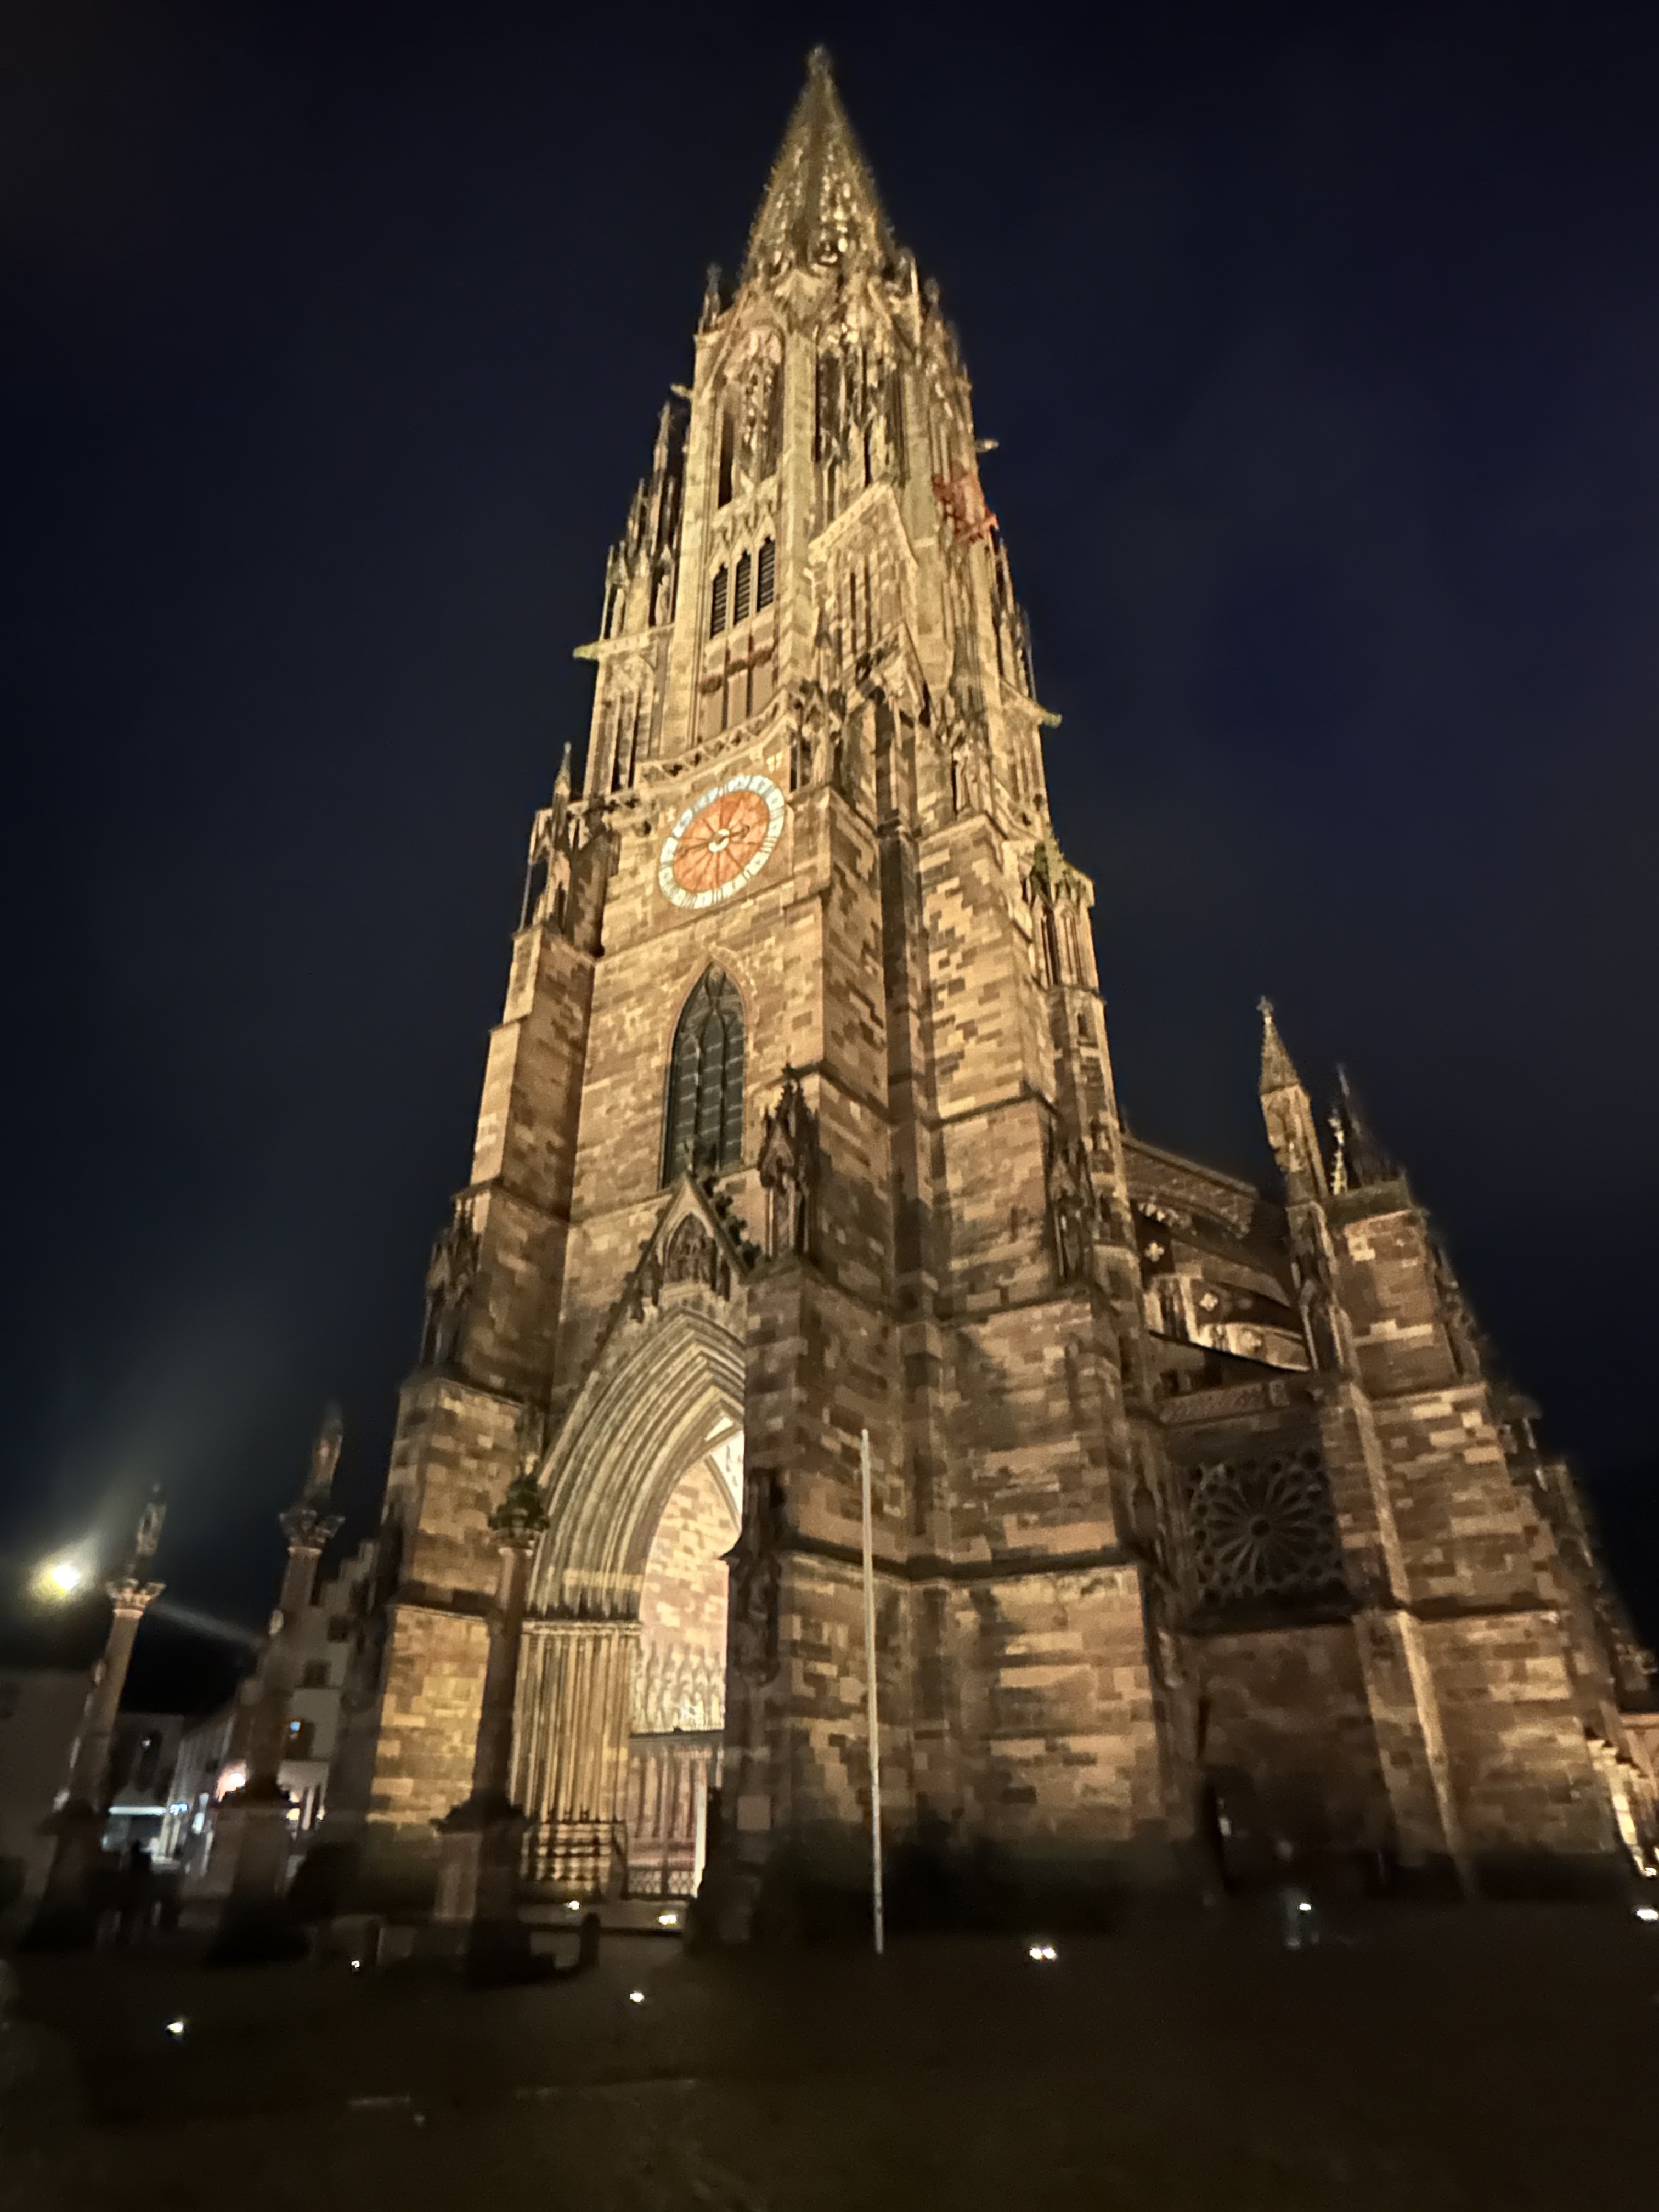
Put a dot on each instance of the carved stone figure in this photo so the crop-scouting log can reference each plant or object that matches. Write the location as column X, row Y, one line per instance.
column 788, row 1170
column 451, row 1277
column 147, row 1535
column 325, row 1453
column 1071, row 1207
column 754, row 1569
column 693, row 1256
column 969, row 782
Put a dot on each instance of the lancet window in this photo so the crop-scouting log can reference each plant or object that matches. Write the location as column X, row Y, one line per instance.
column 717, row 600
column 704, row 1125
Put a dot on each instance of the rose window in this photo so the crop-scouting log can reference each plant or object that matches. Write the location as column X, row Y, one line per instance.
column 1264, row 1529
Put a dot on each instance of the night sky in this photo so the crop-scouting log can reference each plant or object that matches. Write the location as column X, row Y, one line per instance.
column 1323, row 346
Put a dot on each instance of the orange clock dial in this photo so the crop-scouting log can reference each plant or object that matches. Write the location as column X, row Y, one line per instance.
column 720, row 842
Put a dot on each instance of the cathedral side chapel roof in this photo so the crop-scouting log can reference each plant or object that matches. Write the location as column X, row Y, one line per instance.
column 821, row 205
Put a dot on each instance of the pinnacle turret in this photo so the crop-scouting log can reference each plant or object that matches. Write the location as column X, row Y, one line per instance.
column 1278, row 1068
column 1289, row 1117
column 1367, row 1162
column 821, row 207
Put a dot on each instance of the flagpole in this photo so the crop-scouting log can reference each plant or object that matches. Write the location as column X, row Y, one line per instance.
column 870, row 1679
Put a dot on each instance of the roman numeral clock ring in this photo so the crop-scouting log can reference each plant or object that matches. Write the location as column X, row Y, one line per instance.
column 721, row 843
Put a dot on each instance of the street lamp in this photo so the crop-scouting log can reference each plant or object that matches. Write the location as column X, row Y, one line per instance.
column 61, row 1578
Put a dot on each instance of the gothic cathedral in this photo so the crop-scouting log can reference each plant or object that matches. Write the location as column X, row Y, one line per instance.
column 1206, row 1535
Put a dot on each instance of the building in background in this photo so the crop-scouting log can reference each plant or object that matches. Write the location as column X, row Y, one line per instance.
column 1208, row 1531
column 144, row 1757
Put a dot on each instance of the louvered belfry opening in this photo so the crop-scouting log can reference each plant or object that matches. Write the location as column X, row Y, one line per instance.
column 704, row 1125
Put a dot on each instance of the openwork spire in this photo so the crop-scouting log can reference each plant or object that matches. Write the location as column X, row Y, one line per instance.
column 820, row 208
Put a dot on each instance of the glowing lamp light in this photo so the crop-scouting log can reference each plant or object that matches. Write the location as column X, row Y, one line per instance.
column 1302, row 1905
column 62, row 1577
column 1044, row 1954
column 572, row 1905
column 636, row 1996
column 668, row 1920
column 1647, row 1912
column 176, row 2028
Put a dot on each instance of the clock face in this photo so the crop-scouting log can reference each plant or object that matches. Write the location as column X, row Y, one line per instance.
column 721, row 843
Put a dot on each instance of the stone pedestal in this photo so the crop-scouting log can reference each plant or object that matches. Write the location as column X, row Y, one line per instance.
column 66, row 1918
column 242, row 1894
column 475, row 1919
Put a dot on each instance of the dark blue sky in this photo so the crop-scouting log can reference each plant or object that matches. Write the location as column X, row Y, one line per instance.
column 1322, row 345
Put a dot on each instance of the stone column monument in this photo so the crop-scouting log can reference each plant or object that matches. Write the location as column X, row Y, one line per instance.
column 246, row 1875
column 67, row 1915
column 474, row 1915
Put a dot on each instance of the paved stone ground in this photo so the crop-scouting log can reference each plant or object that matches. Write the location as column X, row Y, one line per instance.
column 1487, row 2057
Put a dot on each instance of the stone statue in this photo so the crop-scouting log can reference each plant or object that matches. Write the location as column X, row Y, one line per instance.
column 789, row 1170
column 325, row 1453
column 1071, row 1207
column 451, row 1277
column 146, row 1536
column 753, row 1560
column 690, row 1249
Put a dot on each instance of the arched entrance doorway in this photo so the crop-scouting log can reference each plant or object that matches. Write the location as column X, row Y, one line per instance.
column 622, row 1684
column 679, row 1683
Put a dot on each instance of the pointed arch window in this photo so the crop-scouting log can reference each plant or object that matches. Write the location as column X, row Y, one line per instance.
column 766, row 574
column 703, row 1127
column 717, row 603
column 740, row 591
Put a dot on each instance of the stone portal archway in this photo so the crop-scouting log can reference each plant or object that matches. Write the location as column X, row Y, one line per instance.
column 625, row 1641
column 679, row 1683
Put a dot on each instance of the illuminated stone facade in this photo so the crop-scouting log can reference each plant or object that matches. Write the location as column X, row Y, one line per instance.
column 1205, row 1535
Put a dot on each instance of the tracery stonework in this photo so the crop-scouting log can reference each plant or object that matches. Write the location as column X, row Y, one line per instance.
column 1264, row 1531
column 801, row 1121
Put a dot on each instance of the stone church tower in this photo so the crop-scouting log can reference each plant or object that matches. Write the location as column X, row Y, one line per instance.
column 1204, row 1530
